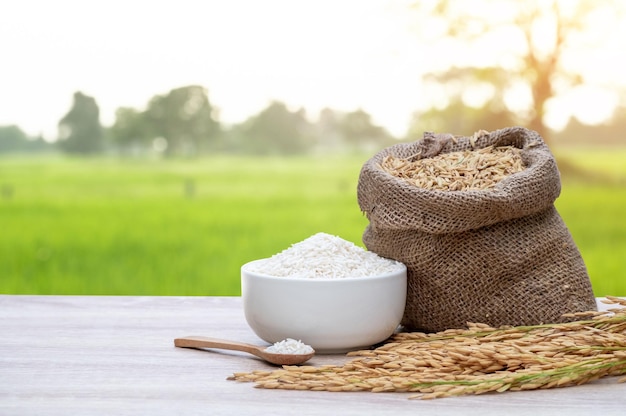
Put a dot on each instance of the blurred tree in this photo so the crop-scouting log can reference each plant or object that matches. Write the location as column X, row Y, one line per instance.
column 456, row 116
column 610, row 133
column 541, row 34
column 360, row 133
column 184, row 117
column 459, row 118
column 12, row 139
column 130, row 130
column 80, row 130
column 277, row 130
column 327, row 132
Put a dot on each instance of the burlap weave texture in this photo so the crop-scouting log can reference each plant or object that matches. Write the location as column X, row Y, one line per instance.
column 502, row 256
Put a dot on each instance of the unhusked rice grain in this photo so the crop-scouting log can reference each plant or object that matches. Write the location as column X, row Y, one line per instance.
column 325, row 256
column 475, row 169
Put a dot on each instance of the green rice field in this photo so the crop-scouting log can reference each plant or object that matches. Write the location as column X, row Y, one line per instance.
column 185, row 227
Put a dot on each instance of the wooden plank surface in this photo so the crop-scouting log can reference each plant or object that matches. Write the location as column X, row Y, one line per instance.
column 98, row 355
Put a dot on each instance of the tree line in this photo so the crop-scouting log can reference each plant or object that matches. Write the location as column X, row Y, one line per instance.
column 184, row 122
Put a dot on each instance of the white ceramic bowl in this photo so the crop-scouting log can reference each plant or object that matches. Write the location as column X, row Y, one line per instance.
column 330, row 314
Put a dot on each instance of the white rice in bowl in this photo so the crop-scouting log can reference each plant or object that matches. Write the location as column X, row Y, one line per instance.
column 325, row 256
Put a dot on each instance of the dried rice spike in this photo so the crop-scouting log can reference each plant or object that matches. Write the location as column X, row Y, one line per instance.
column 613, row 300
column 476, row 360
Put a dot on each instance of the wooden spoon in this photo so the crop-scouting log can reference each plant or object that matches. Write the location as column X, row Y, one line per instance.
column 270, row 357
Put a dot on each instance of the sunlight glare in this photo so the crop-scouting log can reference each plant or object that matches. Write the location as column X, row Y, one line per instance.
column 314, row 54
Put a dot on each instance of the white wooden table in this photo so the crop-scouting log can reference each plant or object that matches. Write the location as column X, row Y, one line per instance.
column 99, row 355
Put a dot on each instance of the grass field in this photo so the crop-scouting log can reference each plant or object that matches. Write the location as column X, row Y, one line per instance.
column 149, row 227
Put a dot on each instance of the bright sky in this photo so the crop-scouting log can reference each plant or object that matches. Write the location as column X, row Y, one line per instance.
column 342, row 54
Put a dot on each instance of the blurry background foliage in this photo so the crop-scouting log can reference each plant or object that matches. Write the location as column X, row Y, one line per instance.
column 171, row 201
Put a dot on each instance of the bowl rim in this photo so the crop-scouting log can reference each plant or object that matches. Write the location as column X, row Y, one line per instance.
column 397, row 273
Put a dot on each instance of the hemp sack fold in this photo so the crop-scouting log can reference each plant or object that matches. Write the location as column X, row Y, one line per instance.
column 500, row 256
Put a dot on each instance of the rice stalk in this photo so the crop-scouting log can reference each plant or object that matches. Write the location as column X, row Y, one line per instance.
column 475, row 360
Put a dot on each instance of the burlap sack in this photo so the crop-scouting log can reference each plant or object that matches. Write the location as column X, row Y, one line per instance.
column 502, row 256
